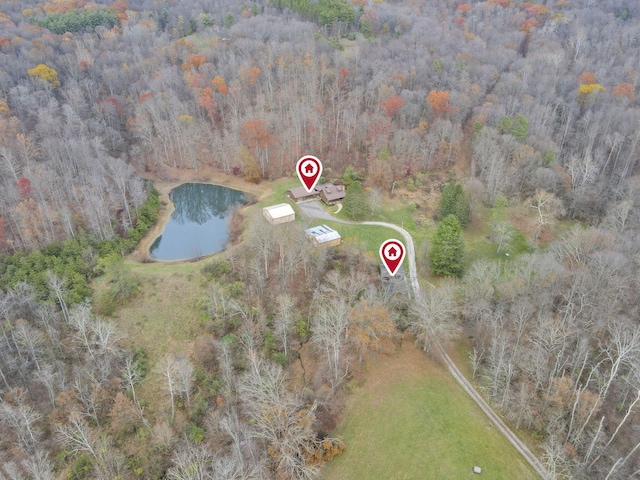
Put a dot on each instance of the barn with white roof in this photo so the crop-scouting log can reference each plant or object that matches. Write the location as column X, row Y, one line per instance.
column 277, row 214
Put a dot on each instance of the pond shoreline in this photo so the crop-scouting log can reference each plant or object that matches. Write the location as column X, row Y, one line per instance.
column 177, row 177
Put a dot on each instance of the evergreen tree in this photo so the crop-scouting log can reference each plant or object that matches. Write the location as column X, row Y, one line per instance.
column 355, row 202
column 447, row 249
column 229, row 20
column 504, row 125
column 454, row 202
column 520, row 130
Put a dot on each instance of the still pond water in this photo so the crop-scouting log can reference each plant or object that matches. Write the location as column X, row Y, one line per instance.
column 200, row 223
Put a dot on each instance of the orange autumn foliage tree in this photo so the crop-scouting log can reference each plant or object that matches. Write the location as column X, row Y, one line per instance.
column 438, row 100
column 587, row 78
column 252, row 171
column 501, row 3
column 193, row 61
column 536, row 10
column 195, row 80
column 61, row 6
column 625, row 90
column 144, row 96
column 254, row 134
column 254, row 73
column 220, row 85
column 528, row 24
column 206, row 101
column 371, row 327
column 5, row 111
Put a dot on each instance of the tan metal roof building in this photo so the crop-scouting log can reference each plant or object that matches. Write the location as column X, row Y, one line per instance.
column 280, row 213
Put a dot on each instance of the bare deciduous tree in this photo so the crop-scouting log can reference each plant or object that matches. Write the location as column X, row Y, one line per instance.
column 178, row 373
column 21, row 417
column 434, row 314
column 284, row 319
column 328, row 332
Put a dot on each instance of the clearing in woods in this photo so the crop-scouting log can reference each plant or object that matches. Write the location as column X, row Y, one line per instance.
column 410, row 420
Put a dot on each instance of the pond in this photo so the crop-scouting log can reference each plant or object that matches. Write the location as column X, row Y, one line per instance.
column 199, row 224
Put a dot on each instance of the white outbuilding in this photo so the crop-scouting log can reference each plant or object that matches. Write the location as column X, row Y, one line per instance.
column 277, row 214
column 324, row 236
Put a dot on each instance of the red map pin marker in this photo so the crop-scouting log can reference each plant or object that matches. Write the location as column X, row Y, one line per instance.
column 392, row 253
column 309, row 169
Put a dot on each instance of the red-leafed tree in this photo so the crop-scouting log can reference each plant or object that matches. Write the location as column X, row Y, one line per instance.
column 144, row 96
column 343, row 73
column 392, row 105
column 379, row 129
column 24, row 186
column 115, row 105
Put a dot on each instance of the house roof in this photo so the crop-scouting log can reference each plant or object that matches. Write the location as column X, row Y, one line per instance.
column 333, row 192
column 322, row 233
column 280, row 210
column 301, row 192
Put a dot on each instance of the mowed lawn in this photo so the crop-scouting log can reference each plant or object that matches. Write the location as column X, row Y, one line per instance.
column 411, row 420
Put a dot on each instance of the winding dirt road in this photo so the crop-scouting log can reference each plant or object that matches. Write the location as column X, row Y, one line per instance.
column 313, row 209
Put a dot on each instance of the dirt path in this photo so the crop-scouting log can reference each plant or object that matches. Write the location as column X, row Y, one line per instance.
column 313, row 209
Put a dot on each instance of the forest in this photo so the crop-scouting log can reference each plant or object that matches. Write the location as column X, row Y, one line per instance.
column 508, row 104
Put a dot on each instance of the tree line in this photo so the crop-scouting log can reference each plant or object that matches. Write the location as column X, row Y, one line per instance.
column 534, row 103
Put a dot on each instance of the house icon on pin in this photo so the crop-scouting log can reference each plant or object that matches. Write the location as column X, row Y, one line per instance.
column 308, row 169
column 392, row 252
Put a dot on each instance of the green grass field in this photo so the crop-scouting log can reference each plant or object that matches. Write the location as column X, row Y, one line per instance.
column 410, row 420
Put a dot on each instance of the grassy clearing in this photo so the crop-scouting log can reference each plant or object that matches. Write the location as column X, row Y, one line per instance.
column 164, row 317
column 478, row 246
column 278, row 193
column 410, row 420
